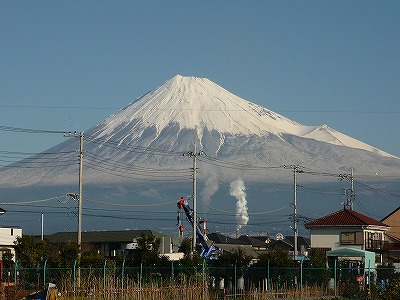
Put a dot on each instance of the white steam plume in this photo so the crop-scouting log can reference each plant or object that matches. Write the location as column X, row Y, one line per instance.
column 237, row 190
column 211, row 186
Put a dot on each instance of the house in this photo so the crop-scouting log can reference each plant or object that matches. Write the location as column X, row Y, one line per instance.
column 261, row 244
column 392, row 237
column 8, row 237
column 257, row 243
column 245, row 249
column 348, row 228
column 287, row 243
column 393, row 220
column 117, row 243
column 223, row 239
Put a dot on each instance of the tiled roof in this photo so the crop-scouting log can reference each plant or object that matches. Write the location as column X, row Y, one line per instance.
column 344, row 217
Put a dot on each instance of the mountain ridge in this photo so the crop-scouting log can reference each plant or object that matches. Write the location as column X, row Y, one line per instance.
column 198, row 103
column 184, row 113
column 144, row 154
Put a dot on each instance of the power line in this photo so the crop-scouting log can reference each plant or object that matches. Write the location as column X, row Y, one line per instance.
column 26, row 130
column 212, row 110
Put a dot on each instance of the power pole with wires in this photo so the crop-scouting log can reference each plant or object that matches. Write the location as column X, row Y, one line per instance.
column 194, row 155
column 295, row 170
column 78, row 197
column 350, row 194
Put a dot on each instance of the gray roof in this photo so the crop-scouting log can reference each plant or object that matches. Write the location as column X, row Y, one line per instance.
column 248, row 250
column 222, row 239
column 101, row 236
column 249, row 240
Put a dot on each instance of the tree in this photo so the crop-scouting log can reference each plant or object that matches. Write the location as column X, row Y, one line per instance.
column 92, row 257
column 190, row 260
column 28, row 252
column 8, row 259
column 224, row 266
column 68, row 254
column 277, row 262
column 315, row 270
column 147, row 251
column 186, row 246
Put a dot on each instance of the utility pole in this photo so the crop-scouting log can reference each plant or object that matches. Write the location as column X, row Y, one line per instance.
column 42, row 224
column 295, row 210
column 295, row 169
column 80, row 193
column 194, row 199
column 350, row 194
column 79, row 197
column 194, row 155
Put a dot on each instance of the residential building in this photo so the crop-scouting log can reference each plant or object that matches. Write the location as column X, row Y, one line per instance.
column 8, row 237
column 392, row 238
column 348, row 228
column 261, row 244
column 393, row 220
column 118, row 243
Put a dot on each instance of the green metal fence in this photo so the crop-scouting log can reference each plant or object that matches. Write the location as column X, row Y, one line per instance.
column 120, row 277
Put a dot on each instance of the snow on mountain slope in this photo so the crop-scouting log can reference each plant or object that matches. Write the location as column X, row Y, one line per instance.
column 200, row 104
column 328, row 135
column 187, row 111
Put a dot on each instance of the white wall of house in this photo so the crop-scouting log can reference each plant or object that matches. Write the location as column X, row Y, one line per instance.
column 325, row 238
column 365, row 238
column 8, row 235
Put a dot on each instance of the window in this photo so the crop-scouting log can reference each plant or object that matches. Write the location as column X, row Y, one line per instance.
column 373, row 240
column 348, row 238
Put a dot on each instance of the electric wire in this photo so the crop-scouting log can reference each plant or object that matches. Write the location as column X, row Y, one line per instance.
column 123, row 146
column 27, row 130
column 141, row 177
column 131, row 205
column 109, row 161
column 376, row 190
column 30, row 202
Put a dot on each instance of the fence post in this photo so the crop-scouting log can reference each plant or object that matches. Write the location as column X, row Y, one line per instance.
column 334, row 277
column 123, row 274
column 44, row 273
column 268, row 280
column 104, row 278
column 140, row 275
column 203, row 270
column 74, row 271
column 15, row 272
column 235, row 281
column 172, row 271
column 301, row 277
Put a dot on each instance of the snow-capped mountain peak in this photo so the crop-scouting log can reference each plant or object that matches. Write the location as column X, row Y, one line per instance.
column 200, row 104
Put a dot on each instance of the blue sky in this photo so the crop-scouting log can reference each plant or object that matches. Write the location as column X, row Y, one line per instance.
column 66, row 65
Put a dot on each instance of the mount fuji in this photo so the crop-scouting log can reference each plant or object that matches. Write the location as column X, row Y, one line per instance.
column 151, row 144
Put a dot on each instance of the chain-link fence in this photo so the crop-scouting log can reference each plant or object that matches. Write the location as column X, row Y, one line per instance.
column 116, row 279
